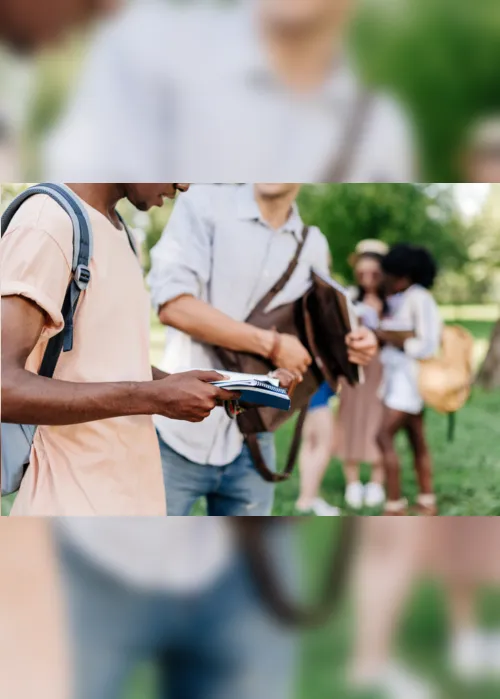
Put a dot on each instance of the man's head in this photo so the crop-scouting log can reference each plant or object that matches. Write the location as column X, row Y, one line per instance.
column 297, row 15
column 29, row 25
column 277, row 190
column 146, row 195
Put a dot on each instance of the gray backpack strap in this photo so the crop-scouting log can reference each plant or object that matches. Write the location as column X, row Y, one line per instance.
column 17, row 439
column 82, row 253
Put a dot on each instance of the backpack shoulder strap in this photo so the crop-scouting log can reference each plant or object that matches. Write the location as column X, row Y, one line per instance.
column 82, row 253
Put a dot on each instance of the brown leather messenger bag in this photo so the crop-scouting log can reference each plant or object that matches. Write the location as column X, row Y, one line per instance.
column 318, row 321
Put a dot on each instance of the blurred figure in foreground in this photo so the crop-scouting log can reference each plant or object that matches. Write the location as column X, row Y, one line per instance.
column 175, row 591
column 33, row 658
column 26, row 27
column 29, row 25
column 260, row 90
column 409, row 273
column 462, row 553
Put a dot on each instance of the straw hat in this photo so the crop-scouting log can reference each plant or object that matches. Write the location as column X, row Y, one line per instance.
column 370, row 246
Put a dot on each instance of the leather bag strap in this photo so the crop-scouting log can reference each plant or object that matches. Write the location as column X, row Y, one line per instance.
column 261, row 466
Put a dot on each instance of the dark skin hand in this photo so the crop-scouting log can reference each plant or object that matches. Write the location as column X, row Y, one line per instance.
column 31, row 399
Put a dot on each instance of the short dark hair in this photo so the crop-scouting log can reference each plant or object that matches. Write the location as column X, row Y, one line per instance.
column 413, row 262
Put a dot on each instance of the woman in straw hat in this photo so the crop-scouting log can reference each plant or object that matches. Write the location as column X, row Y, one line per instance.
column 360, row 410
column 353, row 439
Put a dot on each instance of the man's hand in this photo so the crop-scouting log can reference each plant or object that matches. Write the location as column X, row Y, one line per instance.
column 291, row 354
column 189, row 395
column 362, row 346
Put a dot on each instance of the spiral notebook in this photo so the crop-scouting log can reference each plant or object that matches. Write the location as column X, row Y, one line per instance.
column 259, row 390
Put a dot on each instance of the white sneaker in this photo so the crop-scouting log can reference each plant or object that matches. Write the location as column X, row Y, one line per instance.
column 492, row 653
column 394, row 681
column 468, row 654
column 398, row 682
column 320, row 508
column 374, row 495
column 354, row 495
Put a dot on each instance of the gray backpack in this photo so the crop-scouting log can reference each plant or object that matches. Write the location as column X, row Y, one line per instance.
column 17, row 440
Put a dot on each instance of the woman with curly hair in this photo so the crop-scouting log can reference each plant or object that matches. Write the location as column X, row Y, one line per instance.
column 409, row 273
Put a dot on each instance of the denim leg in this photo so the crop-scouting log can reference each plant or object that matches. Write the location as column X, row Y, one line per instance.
column 185, row 482
column 234, row 649
column 242, row 492
column 110, row 627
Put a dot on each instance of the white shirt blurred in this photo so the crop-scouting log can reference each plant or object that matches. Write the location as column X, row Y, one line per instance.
column 176, row 554
column 188, row 95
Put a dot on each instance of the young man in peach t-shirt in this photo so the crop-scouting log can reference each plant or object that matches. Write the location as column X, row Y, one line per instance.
column 96, row 450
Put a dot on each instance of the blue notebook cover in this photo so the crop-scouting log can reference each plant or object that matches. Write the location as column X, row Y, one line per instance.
column 258, row 393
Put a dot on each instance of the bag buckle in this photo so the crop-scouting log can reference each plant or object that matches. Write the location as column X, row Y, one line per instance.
column 82, row 277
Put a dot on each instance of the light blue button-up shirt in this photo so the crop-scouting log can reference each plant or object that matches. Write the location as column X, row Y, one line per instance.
column 218, row 248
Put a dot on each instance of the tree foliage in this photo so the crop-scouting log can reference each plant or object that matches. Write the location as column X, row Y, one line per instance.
column 424, row 215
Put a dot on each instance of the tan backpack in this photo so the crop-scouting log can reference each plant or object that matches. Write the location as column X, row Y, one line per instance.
column 445, row 381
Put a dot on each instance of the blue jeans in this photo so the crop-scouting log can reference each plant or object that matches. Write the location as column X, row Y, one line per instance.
column 234, row 490
column 219, row 643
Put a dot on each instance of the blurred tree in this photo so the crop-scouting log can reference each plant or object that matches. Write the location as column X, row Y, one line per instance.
column 489, row 376
column 439, row 57
column 421, row 214
column 485, row 252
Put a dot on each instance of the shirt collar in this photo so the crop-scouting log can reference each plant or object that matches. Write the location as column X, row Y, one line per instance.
column 248, row 210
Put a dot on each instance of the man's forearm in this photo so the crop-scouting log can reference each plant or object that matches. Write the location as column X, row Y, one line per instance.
column 209, row 325
column 35, row 400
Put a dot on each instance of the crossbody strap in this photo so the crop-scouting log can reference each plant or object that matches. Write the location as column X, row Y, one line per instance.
column 286, row 276
column 339, row 169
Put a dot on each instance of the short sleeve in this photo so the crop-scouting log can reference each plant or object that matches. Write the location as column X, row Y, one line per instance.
column 32, row 265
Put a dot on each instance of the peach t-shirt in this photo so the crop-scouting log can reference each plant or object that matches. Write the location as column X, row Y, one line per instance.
column 108, row 467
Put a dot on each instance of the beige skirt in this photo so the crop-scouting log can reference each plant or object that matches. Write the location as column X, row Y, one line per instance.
column 359, row 417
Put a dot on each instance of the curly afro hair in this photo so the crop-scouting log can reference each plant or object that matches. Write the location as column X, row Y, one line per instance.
column 412, row 262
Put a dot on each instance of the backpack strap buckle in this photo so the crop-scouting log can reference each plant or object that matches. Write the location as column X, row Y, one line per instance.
column 81, row 277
